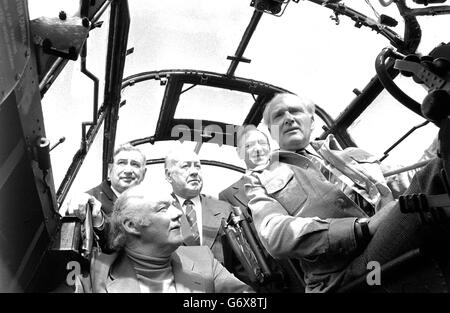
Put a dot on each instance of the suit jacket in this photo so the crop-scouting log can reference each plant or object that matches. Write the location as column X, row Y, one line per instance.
column 107, row 197
column 213, row 211
column 235, row 195
column 299, row 214
column 194, row 270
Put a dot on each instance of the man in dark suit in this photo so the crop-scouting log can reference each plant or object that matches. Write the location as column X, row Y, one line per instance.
column 253, row 147
column 202, row 216
column 127, row 170
column 307, row 209
column 149, row 258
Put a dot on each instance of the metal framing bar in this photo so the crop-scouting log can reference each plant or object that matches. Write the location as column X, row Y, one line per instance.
column 115, row 62
column 204, row 162
column 92, row 77
column 59, row 63
column 362, row 20
column 409, row 132
column 407, row 168
column 244, row 42
column 434, row 10
column 176, row 79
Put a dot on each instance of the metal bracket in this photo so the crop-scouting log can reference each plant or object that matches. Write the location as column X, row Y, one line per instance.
column 335, row 18
column 238, row 59
column 430, row 79
column 63, row 36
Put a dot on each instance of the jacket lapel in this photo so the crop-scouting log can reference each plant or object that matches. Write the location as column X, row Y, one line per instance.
column 108, row 192
column 122, row 278
column 239, row 193
column 186, row 280
column 211, row 219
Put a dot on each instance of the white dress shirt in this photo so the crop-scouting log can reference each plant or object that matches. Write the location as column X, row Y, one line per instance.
column 198, row 212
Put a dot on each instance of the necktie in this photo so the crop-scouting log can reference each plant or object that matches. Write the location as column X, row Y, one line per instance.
column 334, row 179
column 192, row 220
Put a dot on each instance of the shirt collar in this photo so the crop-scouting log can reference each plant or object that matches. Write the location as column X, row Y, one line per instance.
column 195, row 200
column 308, row 151
column 258, row 168
column 115, row 191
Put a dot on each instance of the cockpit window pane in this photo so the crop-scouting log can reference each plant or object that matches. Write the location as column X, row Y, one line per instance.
column 70, row 100
column 138, row 117
column 214, row 104
column 384, row 122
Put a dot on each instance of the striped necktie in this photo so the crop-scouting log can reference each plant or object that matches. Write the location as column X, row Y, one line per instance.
column 192, row 220
column 334, row 179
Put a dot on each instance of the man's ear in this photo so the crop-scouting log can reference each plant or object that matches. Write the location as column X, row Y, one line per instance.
column 168, row 177
column 143, row 174
column 240, row 153
column 131, row 227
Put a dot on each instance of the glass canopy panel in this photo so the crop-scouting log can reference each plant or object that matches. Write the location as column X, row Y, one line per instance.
column 305, row 52
column 138, row 117
column 195, row 34
column 90, row 174
column 386, row 121
column 70, row 100
column 214, row 104
column 51, row 8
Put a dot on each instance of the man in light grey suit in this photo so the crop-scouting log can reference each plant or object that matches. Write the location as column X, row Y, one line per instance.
column 146, row 233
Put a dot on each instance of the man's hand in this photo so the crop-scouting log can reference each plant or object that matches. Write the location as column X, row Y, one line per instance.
column 78, row 205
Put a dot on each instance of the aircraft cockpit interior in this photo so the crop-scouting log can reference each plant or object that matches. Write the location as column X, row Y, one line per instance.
column 81, row 78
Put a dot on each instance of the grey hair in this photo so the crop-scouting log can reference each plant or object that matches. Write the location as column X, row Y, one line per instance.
column 174, row 156
column 244, row 129
column 129, row 206
column 129, row 147
column 279, row 97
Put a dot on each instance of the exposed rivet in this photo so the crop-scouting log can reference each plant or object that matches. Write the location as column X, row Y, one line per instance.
column 62, row 15
column 85, row 22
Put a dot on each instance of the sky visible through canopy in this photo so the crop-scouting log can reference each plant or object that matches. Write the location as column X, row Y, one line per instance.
column 303, row 51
